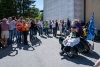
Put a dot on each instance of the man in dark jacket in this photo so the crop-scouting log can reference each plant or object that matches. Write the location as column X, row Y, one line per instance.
column 68, row 24
column 56, row 26
column 31, row 28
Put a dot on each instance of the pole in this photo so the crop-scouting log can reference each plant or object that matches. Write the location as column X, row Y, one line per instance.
column 93, row 45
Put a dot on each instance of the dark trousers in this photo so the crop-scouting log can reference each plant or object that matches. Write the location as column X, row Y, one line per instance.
column 40, row 31
column 54, row 32
column 35, row 32
column 46, row 31
column 31, row 33
column 62, row 47
column 66, row 49
column 25, row 33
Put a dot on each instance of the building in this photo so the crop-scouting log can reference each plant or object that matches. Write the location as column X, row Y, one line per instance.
column 72, row 9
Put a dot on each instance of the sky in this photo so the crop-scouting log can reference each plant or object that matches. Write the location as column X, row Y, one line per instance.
column 39, row 4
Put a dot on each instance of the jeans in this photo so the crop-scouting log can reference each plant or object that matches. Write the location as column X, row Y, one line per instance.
column 11, row 36
column 40, row 31
column 15, row 32
column 46, row 31
column 18, row 36
column 54, row 31
column 35, row 32
column 31, row 33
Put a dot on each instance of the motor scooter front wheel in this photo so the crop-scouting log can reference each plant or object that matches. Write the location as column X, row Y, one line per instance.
column 86, row 51
column 70, row 54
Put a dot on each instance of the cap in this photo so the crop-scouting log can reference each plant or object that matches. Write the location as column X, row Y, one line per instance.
column 4, row 19
column 76, row 20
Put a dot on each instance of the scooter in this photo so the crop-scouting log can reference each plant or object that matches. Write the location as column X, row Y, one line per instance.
column 83, row 46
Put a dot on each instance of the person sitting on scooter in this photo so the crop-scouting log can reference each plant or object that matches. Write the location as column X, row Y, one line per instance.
column 71, row 40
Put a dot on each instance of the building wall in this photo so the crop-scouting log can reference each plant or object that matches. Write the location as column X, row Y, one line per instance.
column 63, row 9
column 93, row 6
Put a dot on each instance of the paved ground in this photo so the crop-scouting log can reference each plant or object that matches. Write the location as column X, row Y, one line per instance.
column 44, row 52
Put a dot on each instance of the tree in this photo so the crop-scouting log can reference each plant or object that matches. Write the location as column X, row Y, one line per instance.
column 34, row 12
column 8, row 8
column 15, row 7
column 40, row 17
column 24, row 6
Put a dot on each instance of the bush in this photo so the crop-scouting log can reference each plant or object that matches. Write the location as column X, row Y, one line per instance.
column 37, row 19
column 27, row 19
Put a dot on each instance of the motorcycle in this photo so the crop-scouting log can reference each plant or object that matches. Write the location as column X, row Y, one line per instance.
column 83, row 46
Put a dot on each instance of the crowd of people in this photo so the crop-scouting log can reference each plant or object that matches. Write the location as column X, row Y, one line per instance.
column 19, row 29
column 16, row 30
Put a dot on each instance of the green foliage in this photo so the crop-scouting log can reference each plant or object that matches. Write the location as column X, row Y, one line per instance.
column 24, row 6
column 40, row 17
column 15, row 7
column 27, row 19
column 34, row 12
column 7, row 8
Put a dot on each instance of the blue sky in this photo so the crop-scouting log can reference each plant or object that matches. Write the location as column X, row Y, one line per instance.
column 39, row 4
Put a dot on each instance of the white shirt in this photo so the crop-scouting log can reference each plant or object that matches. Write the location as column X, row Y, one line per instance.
column 8, row 22
column 40, row 23
column 12, row 25
column 71, row 41
column 73, row 23
column 54, row 25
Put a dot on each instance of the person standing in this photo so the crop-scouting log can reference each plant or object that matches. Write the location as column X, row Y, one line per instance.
column 19, row 31
column 40, row 23
column 68, row 24
column 50, row 26
column 54, row 28
column 35, row 27
column 79, row 27
column 31, row 28
column 46, row 27
column 4, row 32
column 63, row 27
column 25, row 29
column 88, row 23
column 12, row 30
column 60, row 27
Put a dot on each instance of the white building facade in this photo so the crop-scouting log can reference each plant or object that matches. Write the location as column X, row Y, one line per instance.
column 63, row 9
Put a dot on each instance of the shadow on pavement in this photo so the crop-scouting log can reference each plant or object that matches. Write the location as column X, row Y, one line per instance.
column 12, row 50
column 57, row 37
column 97, row 41
column 25, row 47
column 36, row 42
column 79, row 60
column 9, row 51
column 50, row 36
column 43, row 37
column 92, row 55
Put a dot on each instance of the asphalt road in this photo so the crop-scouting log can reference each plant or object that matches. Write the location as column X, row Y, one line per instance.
column 44, row 52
